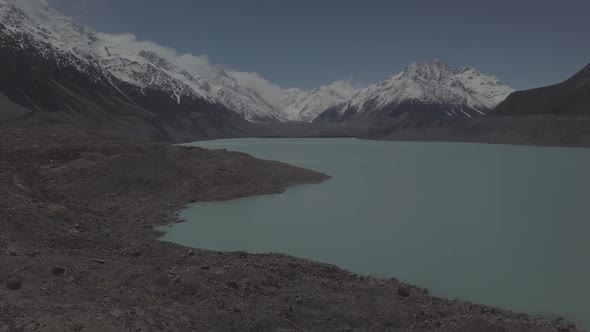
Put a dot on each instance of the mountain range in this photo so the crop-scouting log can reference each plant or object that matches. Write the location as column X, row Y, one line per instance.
column 33, row 26
column 56, row 71
column 63, row 73
column 35, row 29
column 432, row 88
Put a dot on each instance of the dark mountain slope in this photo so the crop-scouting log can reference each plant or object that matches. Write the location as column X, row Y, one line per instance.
column 571, row 97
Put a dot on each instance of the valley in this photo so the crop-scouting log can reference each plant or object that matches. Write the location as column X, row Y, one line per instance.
column 91, row 170
column 75, row 77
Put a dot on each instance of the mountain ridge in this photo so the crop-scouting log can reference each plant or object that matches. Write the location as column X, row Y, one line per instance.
column 430, row 87
column 144, row 68
column 421, row 87
column 568, row 98
column 64, row 82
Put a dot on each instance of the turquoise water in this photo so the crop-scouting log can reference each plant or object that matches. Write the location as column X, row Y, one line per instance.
column 494, row 224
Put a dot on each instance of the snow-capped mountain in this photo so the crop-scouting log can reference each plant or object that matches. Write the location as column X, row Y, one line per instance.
column 307, row 105
column 36, row 29
column 55, row 34
column 65, row 73
column 147, row 70
column 246, row 102
column 427, row 88
column 35, row 23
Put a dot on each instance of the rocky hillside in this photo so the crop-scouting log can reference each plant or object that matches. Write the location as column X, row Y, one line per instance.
column 571, row 97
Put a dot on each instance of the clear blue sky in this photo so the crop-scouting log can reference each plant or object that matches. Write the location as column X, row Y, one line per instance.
column 308, row 43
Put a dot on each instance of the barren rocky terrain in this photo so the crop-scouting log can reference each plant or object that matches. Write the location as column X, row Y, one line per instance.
column 79, row 252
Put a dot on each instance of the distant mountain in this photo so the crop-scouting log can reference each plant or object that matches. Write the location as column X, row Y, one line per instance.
column 307, row 105
column 244, row 101
column 571, row 97
column 431, row 88
column 557, row 115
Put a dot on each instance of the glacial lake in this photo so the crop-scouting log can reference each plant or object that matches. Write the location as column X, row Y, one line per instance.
column 493, row 224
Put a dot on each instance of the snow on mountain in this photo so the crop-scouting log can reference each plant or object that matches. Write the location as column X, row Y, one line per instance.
column 307, row 105
column 71, row 43
column 147, row 66
column 65, row 39
column 148, row 70
column 492, row 89
column 431, row 87
column 38, row 23
column 240, row 99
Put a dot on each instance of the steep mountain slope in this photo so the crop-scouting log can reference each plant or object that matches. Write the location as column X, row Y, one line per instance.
column 307, row 105
column 49, row 65
column 149, row 69
column 432, row 88
column 246, row 102
column 70, row 44
column 571, row 97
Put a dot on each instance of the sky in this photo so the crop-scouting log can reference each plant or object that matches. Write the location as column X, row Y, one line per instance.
column 309, row 43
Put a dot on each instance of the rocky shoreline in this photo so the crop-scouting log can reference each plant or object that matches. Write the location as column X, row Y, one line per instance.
column 79, row 252
column 544, row 130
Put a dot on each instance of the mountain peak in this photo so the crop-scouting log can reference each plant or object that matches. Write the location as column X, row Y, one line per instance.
column 431, row 87
column 465, row 69
column 430, row 70
column 430, row 64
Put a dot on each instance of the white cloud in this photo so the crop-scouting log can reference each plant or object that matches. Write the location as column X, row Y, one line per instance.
column 270, row 92
column 346, row 89
column 194, row 64
column 128, row 45
column 199, row 65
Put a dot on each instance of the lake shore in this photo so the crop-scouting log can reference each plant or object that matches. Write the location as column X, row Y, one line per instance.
column 542, row 130
column 79, row 251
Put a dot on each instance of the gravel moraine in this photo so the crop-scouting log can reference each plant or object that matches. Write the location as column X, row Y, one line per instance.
column 79, row 252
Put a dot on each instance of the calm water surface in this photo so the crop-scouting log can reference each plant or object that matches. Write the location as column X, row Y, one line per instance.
column 494, row 224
